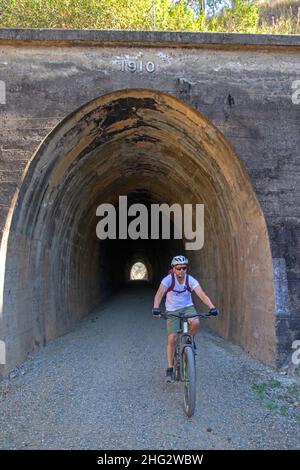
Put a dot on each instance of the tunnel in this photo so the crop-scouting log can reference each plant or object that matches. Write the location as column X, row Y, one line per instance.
column 153, row 148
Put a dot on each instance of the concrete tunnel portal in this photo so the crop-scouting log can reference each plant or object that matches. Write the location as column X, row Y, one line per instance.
column 151, row 147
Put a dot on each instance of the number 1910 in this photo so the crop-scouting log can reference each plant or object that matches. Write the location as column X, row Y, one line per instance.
column 137, row 66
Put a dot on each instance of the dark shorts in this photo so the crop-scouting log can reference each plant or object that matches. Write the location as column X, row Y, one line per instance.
column 173, row 324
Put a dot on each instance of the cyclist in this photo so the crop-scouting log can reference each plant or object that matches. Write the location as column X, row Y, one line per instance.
column 177, row 286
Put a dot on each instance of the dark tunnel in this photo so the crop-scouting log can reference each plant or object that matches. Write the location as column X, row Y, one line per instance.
column 155, row 149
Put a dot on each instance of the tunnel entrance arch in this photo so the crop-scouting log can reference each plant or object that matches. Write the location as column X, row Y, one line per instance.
column 154, row 146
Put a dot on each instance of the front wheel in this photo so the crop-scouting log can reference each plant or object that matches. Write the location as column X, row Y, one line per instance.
column 189, row 379
column 177, row 364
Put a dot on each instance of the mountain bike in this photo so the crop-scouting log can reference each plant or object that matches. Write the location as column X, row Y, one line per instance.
column 184, row 359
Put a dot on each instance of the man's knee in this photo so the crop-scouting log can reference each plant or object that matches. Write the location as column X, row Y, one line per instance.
column 195, row 324
column 172, row 339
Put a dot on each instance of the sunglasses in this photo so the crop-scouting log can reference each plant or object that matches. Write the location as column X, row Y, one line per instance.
column 183, row 268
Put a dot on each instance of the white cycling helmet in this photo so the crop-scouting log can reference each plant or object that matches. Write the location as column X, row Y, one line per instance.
column 179, row 260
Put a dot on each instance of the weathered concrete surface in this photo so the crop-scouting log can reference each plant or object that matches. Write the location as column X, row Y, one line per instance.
column 75, row 37
column 157, row 149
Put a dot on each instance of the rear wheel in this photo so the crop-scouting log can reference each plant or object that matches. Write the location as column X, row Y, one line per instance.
column 189, row 379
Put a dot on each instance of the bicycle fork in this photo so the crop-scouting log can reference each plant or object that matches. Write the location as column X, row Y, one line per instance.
column 186, row 342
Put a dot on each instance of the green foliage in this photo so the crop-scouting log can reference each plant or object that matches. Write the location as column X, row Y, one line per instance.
column 271, row 405
column 284, row 410
column 274, row 383
column 243, row 17
column 294, row 390
column 274, row 395
column 260, row 390
column 240, row 16
column 100, row 14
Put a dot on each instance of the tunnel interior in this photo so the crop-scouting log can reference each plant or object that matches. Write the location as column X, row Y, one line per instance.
column 117, row 256
column 153, row 148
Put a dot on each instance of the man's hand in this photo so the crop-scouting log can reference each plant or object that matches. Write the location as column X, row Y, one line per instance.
column 156, row 312
column 213, row 311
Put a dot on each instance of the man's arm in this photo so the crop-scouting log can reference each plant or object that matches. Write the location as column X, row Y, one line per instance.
column 159, row 295
column 205, row 299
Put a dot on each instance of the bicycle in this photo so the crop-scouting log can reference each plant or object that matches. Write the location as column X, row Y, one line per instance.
column 184, row 359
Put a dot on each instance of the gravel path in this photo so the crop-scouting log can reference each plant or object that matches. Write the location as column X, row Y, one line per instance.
column 102, row 387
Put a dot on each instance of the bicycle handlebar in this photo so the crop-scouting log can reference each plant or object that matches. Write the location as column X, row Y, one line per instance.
column 200, row 315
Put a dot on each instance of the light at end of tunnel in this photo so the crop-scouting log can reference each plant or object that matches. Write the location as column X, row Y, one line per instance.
column 138, row 272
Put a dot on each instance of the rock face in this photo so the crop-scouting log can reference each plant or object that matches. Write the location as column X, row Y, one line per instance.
column 183, row 118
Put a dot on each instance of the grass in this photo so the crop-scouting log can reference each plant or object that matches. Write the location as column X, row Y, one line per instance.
column 279, row 16
column 274, row 383
column 260, row 390
column 294, row 390
column 274, row 396
column 283, row 410
column 296, row 416
column 271, row 405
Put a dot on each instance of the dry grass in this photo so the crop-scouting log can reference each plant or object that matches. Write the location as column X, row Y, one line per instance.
column 287, row 8
column 279, row 16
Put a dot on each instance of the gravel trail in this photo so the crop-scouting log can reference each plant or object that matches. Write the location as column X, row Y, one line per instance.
column 102, row 386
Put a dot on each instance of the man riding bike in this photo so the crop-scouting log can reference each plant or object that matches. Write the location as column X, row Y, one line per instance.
column 178, row 286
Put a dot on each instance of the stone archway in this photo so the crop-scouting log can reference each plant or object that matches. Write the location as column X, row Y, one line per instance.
column 153, row 146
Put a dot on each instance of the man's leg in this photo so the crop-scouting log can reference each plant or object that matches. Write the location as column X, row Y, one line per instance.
column 194, row 326
column 171, row 345
column 173, row 325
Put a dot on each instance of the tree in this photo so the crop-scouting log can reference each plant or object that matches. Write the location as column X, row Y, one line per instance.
column 242, row 16
column 210, row 7
column 247, row 16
